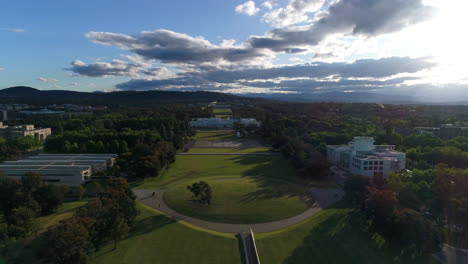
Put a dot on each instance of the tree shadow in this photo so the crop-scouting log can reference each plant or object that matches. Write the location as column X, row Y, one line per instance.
column 149, row 224
column 273, row 178
column 240, row 246
column 343, row 239
column 329, row 238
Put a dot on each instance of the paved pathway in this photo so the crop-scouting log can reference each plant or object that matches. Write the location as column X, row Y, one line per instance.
column 324, row 197
column 252, row 154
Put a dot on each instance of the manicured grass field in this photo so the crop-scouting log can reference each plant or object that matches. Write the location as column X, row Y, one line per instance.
column 64, row 212
column 331, row 236
column 194, row 166
column 222, row 111
column 216, row 135
column 156, row 238
column 229, row 150
column 223, row 116
column 240, row 200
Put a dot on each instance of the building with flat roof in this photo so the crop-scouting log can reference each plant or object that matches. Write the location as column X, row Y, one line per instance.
column 446, row 131
column 362, row 157
column 12, row 132
column 69, row 169
column 215, row 122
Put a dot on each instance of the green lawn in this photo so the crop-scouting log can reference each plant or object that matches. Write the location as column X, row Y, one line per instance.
column 229, row 150
column 223, row 116
column 192, row 167
column 216, row 135
column 331, row 236
column 222, row 111
column 64, row 212
column 156, row 238
column 240, row 200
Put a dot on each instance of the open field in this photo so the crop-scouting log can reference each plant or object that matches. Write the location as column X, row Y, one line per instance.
column 156, row 238
column 223, row 116
column 243, row 143
column 332, row 236
column 229, row 150
column 224, row 111
column 189, row 167
column 215, row 135
column 240, row 200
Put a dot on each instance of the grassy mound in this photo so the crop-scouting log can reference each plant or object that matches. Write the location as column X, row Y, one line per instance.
column 240, row 201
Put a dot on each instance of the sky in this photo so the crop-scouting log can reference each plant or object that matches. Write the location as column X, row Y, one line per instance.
column 409, row 47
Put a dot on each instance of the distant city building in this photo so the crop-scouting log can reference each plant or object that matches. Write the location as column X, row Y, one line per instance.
column 12, row 132
column 43, row 111
column 4, row 115
column 362, row 157
column 214, row 122
column 69, row 169
column 446, row 131
column 14, row 107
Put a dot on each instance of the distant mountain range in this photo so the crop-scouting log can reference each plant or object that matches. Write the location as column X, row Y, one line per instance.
column 28, row 95
column 24, row 94
column 345, row 97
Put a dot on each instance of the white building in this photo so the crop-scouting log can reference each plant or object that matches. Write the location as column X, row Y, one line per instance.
column 214, row 122
column 12, row 132
column 69, row 169
column 362, row 157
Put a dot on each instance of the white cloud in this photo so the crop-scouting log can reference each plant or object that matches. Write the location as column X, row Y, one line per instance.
column 2, row 69
column 296, row 11
column 47, row 80
column 247, row 8
column 16, row 30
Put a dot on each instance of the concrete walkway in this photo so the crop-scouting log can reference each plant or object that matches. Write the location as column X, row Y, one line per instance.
column 324, row 198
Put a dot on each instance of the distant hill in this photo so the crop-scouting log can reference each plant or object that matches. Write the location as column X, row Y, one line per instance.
column 28, row 95
column 344, row 97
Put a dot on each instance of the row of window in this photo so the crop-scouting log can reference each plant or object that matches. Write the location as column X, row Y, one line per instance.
column 373, row 168
column 370, row 162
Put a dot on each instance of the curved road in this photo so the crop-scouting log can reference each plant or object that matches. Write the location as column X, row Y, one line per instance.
column 323, row 197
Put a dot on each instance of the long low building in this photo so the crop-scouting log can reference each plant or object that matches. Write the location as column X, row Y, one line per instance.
column 69, row 169
column 214, row 122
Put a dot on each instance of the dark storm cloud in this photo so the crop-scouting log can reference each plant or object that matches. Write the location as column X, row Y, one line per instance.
column 261, row 78
column 373, row 68
column 357, row 17
column 103, row 69
column 172, row 47
column 301, row 84
column 176, row 83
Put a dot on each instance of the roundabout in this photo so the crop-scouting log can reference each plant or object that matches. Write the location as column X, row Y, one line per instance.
column 241, row 200
column 158, row 202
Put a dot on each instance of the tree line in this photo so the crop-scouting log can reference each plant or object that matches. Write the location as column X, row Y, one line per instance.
column 107, row 218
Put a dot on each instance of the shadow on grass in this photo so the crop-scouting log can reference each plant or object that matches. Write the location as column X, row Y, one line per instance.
column 149, row 224
column 240, row 245
column 339, row 239
column 275, row 178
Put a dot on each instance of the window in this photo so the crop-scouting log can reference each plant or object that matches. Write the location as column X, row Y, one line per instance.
column 381, row 162
column 365, row 162
column 381, row 168
column 365, row 168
